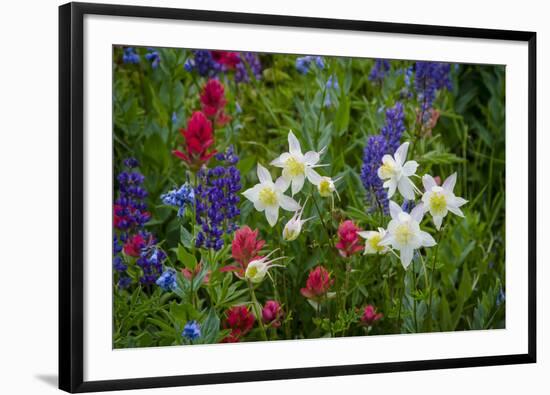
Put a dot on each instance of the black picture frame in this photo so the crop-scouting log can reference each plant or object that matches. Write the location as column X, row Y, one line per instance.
column 71, row 204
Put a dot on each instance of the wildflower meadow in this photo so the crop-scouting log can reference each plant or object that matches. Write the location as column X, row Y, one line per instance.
column 262, row 197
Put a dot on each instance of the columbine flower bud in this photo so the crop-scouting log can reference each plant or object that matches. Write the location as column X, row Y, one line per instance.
column 294, row 226
column 257, row 269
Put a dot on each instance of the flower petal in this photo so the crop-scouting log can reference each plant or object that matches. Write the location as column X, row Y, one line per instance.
column 281, row 160
column 282, row 184
column 272, row 215
column 401, row 153
column 427, row 239
column 263, row 175
column 288, row 203
column 252, row 193
column 450, row 182
column 458, row 202
column 409, row 168
column 455, row 210
column 298, row 183
column 395, row 209
column 293, row 144
column 417, row 213
column 312, row 157
column 313, row 176
column 406, row 255
column 391, row 185
column 438, row 220
column 428, row 182
column 405, row 188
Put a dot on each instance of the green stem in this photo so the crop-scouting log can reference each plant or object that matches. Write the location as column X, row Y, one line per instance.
column 401, row 293
column 432, row 283
column 322, row 221
column 256, row 311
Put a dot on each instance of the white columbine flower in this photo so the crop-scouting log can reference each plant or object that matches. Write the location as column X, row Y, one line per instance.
column 404, row 232
column 440, row 200
column 373, row 239
column 257, row 269
column 396, row 172
column 269, row 196
column 297, row 166
column 294, row 225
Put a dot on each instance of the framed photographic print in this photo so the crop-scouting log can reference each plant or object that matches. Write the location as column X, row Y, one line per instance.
column 238, row 188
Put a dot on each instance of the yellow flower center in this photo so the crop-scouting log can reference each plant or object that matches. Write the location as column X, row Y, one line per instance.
column 403, row 234
column 387, row 170
column 268, row 196
column 294, row 167
column 251, row 271
column 325, row 187
column 438, row 203
column 373, row 243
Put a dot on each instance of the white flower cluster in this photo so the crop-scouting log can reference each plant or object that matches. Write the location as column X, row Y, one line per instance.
column 403, row 233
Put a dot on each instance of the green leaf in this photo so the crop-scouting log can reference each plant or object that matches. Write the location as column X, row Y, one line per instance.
column 186, row 258
column 186, row 238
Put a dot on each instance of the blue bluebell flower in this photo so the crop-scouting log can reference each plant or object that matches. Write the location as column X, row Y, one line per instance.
column 130, row 56
column 191, row 330
column 303, row 64
column 167, row 280
column 379, row 70
column 332, row 89
column 180, row 198
column 153, row 57
column 501, row 297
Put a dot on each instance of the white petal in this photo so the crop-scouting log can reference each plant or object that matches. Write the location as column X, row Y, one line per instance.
column 259, row 205
column 406, row 255
column 298, row 183
column 312, row 157
column 417, row 213
column 392, row 185
column 252, row 193
column 409, row 168
column 405, row 188
column 288, row 203
column 427, row 239
column 263, row 175
column 458, row 202
column 282, row 183
column 401, row 153
column 428, row 182
column 313, row 176
column 395, row 209
column 294, row 144
column 455, row 210
column 450, row 182
column 386, row 240
column 437, row 221
column 272, row 215
column 388, row 159
column 365, row 234
column 280, row 161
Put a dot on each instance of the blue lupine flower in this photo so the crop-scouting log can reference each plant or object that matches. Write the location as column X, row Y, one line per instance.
column 179, row 197
column 241, row 69
column 203, row 63
column 332, row 88
column 153, row 57
column 303, row 64
column 430, row 78
column 377, row 146
column 150, row 260
column 379, row 70
column 124, row 282
column 407, row 206
column 130, row 56
column 191, row 330
column 394, row 126
column 216, row 201
column 167, row 280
